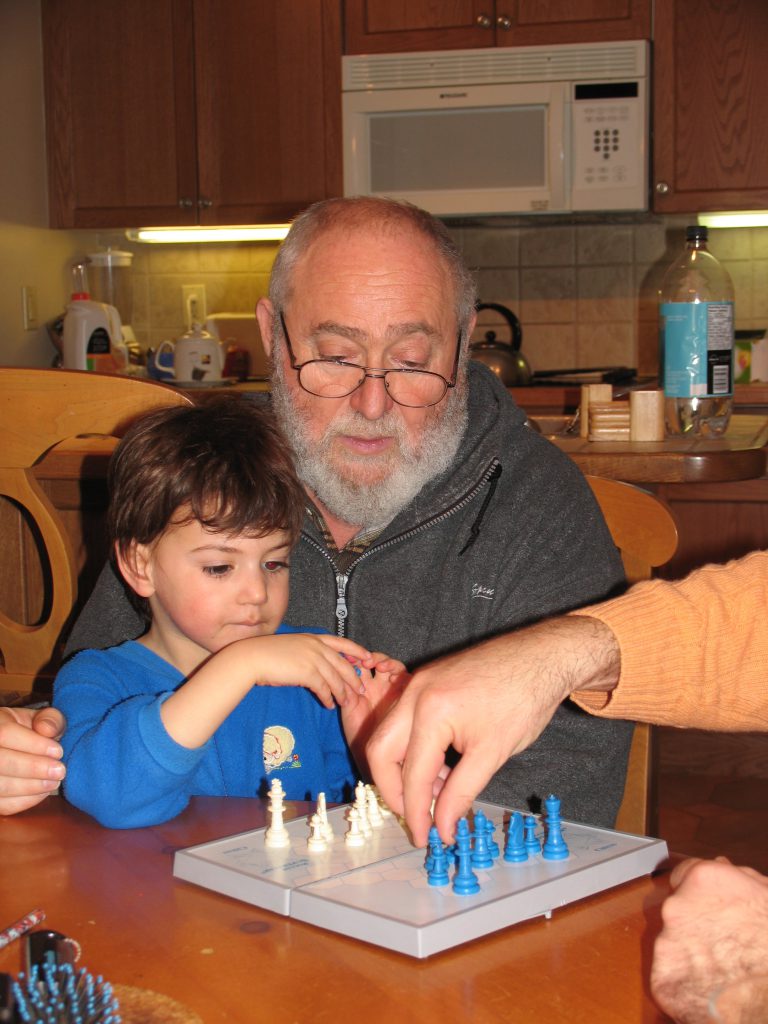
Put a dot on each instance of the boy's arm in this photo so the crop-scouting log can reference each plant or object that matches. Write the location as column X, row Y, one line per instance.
column 316, row 661
column 122, row 767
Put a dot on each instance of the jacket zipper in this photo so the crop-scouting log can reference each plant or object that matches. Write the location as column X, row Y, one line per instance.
column 342, row 579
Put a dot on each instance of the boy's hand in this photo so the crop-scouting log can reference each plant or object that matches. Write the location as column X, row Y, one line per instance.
column 327, row 665
column 361, row 716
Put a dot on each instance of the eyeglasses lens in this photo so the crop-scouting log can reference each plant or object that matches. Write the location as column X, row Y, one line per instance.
column 328, row 379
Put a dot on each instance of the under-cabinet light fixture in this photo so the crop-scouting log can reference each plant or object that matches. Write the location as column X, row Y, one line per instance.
column 735, row 219
column 235, row 233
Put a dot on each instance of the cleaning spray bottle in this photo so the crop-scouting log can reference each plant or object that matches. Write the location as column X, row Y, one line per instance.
column 92, row 336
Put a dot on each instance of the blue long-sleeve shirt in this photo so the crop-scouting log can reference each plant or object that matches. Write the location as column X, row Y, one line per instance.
column 125, row 770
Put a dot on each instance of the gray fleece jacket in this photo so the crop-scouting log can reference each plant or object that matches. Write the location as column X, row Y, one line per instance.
column 509, row 535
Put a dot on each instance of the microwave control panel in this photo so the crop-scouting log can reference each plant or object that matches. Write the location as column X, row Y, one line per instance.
column 608, row 124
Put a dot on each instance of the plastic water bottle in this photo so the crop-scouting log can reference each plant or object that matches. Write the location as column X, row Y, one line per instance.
column 696, row 320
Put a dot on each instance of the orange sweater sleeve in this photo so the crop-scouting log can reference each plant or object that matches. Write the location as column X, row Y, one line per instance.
column 694, row 652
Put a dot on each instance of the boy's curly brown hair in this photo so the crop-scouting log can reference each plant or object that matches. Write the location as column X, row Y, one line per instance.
column 223, row 463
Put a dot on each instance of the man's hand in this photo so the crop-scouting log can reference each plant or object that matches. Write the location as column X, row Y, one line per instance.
column 715, row 934
column 488, row 702
column 378, row 694
column 30, row 757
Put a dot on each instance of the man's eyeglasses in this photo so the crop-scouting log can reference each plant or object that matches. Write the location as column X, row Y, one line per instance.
column 336, row 378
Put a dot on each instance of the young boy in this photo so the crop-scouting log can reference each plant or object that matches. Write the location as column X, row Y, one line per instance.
column 217, row 697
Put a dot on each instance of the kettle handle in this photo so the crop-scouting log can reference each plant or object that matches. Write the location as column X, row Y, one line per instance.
column 514, row 324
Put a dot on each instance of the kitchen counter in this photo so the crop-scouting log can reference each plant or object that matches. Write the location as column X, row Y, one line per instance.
column 738, row 455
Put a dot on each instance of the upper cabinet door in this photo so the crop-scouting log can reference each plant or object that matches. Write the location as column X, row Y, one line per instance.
column 120, row 122
column 395, row 26
column 191, row 111
column 539, row 22
column 710, row 129
column 268, row 78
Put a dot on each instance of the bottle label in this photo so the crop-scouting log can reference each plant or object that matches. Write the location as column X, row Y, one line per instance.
column 698, row 349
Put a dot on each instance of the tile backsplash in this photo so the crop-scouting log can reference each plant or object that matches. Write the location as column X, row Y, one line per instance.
column 585, row 293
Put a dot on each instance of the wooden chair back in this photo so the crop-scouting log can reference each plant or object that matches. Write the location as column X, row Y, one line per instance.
column 644, row 531
column 40, row 409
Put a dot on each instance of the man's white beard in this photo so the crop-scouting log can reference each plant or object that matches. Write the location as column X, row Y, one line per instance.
column 401, row 472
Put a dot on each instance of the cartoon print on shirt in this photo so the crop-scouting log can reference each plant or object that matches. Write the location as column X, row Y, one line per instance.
column 278, row 747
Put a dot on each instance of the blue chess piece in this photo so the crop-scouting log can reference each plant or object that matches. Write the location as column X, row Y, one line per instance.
column 437, row 866
column 514, row 850
column 493, row 846
column 465, row 881
column 554, row 846
column 532, row 844
column 481, row 855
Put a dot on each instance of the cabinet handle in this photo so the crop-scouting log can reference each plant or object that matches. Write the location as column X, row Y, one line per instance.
column 662, row 188
column 186, row 204
column 205, row 204
column 504, row 22
column 484, row 21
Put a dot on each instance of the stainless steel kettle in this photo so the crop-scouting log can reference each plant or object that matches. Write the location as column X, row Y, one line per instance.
column 503, row 357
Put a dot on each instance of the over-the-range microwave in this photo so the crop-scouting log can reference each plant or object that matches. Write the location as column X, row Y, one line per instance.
column 527, row 129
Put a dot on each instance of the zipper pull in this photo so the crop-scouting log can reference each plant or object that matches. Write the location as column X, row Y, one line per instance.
column 341, row 604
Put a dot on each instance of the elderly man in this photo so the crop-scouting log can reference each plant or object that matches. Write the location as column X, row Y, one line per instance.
column 435, row 516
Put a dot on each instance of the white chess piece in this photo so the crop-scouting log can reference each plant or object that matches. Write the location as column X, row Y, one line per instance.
column 354, row 837
column 374, row 813
column 384, row 811
column 322, row 810
column 276, row 835
column 316, row 842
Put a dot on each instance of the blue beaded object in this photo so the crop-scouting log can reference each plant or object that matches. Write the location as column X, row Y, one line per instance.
column 57, row 992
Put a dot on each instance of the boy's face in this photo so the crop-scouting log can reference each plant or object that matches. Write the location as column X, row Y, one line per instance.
column 207, row 589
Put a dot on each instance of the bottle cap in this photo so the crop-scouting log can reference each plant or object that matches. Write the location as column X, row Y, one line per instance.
column 694, row 231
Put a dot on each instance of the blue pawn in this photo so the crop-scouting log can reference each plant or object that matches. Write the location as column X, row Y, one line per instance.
column 532, row 844
column 465, row 881
column 515, row 851
column 554, row 846
column 493, row 846
column 481, row 856
column 437, row 870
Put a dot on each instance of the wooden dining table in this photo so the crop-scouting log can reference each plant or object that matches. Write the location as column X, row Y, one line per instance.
column 225, row 960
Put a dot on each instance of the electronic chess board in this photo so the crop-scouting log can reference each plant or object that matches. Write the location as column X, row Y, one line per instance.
column 379, row 891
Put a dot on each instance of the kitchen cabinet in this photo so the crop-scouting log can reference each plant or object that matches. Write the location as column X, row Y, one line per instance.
column 710, row 144
column 190, row 111
column 394, row 26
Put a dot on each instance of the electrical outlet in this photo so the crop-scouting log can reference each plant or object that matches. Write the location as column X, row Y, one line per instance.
column 193, row 302
column 29, row 307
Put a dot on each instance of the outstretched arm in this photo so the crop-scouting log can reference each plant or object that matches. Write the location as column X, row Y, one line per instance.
column 488, row 702
column 30, row 756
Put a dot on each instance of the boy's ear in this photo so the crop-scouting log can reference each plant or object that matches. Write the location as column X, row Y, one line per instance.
column 136, row 567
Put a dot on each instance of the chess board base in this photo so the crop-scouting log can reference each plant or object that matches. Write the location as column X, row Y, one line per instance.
column 379, row 892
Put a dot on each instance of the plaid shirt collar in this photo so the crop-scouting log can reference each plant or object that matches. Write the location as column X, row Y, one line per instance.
column 342, row 556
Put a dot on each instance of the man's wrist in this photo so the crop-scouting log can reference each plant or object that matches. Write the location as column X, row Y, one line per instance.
column 594, row 662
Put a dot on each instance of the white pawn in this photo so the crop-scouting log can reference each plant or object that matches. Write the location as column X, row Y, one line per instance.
column 316, row 842
column 374, row 813
column 361, row 806
column 322, row 810
column 384, row 811
column 354, row 837
column 276, row 835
